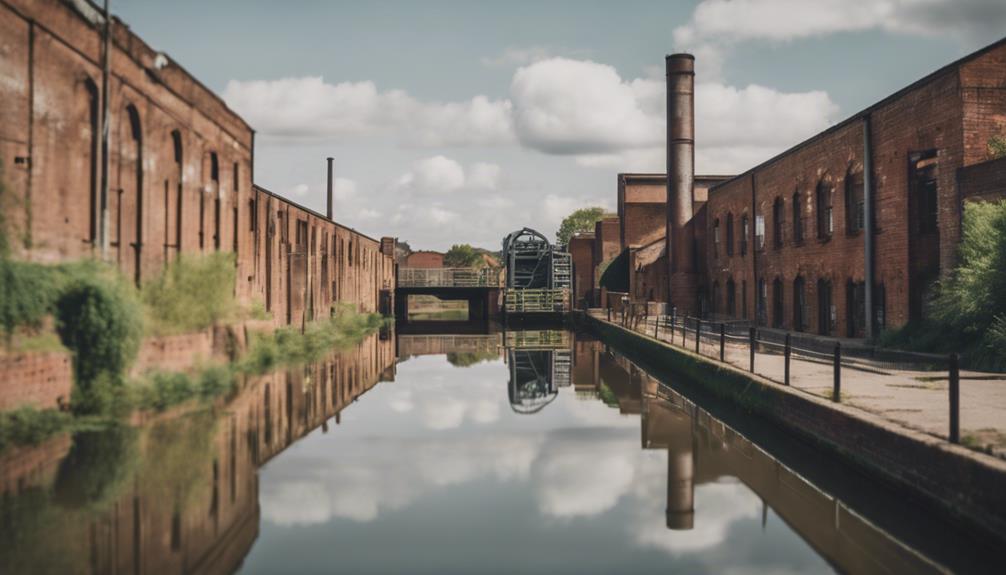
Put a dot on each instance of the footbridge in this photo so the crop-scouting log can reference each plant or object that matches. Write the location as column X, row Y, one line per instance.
column 480, row 287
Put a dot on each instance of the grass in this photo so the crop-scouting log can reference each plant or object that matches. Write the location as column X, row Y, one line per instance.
column 191, row 294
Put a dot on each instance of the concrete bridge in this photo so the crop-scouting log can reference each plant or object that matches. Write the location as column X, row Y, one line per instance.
column 480, row 287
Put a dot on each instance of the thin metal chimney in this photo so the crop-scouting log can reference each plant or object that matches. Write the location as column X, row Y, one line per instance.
column 331, row 183
column 680, row 177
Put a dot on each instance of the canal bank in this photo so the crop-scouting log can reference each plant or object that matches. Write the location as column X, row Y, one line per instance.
column 966, row 484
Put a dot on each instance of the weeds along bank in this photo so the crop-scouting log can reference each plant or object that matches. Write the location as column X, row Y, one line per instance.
column 967, row 312
column 87, row 312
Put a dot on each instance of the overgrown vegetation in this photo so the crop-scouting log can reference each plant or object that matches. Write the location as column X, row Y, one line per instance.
column 968, row 312
column 470, row 358
column 288, row 346
column 997, row 147
column 192, row 293
column 29, row 426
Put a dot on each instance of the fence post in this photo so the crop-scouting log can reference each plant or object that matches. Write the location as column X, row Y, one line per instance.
column 684, row 328
column 656, row 327
column 723, row 340
column 785, row 354
column 698, row 334
column 836, row 393
column 955, row 399
column 674, row 321
column 751, row 345
column 609, row 313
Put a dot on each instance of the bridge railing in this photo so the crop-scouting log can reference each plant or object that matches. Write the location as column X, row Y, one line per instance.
column 487, row 277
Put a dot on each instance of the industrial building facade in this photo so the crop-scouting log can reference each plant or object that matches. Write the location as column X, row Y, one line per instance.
column 784, row 244
column 179, row 169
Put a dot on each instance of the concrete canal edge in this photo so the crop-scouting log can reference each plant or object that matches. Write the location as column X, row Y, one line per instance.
column 969, row 485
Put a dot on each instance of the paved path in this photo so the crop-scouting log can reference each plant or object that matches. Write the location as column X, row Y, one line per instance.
column 914, row 399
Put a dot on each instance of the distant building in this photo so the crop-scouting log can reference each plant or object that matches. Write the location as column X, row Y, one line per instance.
column 424, row 259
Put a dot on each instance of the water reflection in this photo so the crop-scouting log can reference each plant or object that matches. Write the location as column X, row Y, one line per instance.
column 585, row 464
column 179, row 493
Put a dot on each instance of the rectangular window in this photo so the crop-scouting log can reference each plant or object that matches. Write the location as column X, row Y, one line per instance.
column 759, row 232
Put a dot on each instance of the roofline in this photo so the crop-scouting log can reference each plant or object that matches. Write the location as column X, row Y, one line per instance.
column 956, row 64
column 312, row 212
column 144, row 44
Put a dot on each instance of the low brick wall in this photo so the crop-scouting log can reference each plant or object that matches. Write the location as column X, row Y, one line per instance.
column 42, row 380
column 967, row 484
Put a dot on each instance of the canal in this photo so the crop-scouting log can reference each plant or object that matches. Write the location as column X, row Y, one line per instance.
column 461, row 448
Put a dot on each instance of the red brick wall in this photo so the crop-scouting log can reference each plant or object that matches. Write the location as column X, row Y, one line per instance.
column 157, row 208
column 42, row 380
column 926, row 116
column 581, row 249
column 983, row 182
column 642, row 208
column 425, row 260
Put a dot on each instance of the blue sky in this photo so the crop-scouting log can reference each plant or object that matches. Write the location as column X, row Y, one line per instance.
column 460, row 121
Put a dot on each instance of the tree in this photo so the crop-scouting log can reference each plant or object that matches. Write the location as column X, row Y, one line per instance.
column 581, row 220
column 462, row 256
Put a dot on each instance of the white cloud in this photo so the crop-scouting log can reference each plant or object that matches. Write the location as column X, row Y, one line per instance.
column 308, row 107
column 484, row 175
column 716, row 25
column 564, row 106
column 587, row 110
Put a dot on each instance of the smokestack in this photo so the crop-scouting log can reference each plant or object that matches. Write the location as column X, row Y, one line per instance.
column 680, row 177
column 331, row 182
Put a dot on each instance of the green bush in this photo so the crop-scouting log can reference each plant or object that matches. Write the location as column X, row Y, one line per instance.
column 98, row 318
column 30, row 426
column 997, row 147
column 192, row 293
column 28, row 292
column 968, row 312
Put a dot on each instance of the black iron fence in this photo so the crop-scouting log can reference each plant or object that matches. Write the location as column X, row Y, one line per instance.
column 809, row 363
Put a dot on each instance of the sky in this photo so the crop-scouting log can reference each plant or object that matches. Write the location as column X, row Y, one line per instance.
column 458, row 122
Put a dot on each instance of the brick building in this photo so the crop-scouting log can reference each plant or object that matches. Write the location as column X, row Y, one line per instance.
column 788, row 237
column 581, row 249
column 179, row 168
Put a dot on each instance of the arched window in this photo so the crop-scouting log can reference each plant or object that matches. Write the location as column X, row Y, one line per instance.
column 777, row 222
column 797, row 217
column 822, row 204
column 799, row 304
column 854, row 201
column 777, row 302
column 730, row 234
column 745, row 232
column 214, row 191
column 731, row 297
column 135, row 157
column 825, row 307
column 716, row 238
column 91, row 97
column 176, row 142
column 855, row 308
column 744, row 299
column 235, row 214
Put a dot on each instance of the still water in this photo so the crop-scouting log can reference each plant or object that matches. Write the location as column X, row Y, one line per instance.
column 481, row 451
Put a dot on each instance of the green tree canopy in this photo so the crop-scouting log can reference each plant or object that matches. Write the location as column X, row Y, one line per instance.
column 581, row 220
column 462, row 256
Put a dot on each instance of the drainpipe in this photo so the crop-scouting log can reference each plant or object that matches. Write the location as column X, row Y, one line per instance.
column 105, row 73
column 753, row 239
column 868, row 225
column 331, row 168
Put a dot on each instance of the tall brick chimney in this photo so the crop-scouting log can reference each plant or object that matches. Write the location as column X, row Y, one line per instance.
column 331, row 183
column 680, row 180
